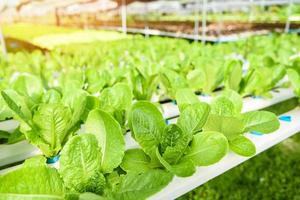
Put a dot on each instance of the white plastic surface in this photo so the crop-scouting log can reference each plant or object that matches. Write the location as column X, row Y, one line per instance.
column 14, row 152
column 8, row 125
column 258, row 103
column 17, row 152
column 170, row 110
column 180, row 186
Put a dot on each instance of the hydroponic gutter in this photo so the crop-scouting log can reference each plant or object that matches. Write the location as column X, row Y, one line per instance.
column 170, row 110
column 180, row 186
column 17, row 152
column 190, row 37
column 20, row 151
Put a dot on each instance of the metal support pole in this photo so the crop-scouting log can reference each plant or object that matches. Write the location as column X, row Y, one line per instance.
column 287, row 24
column 219, row 19
column 204, row 11
column 196, row 22
column 146, row 31
column 124, row 17
column 57, row 19
column 2, row 41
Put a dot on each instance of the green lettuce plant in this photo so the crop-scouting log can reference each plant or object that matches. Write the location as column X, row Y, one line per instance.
column 87, row 170
column 176, row 147
column 143, row 84
column 48, row 124
column 262, row 77
column 116, row 100
column 293, row 73
column 226, row 117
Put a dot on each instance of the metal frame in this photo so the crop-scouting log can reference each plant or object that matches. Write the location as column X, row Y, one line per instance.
column 287, row 24
column 124, row 16
column 207, row 6
column 196, row 22
column 204, row 14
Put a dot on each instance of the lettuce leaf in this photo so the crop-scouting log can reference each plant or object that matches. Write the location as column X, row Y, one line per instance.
column 80, row 164
column 242, row 146
column 136, row 185
column 136, row 160
column 207, row 148
column 193, row 118
column 33, row 181
column 110, row 138
column 147, row 125
column 185, row 97
column 261, row 121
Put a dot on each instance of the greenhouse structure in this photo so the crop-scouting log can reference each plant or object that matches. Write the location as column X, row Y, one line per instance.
column 149, row 99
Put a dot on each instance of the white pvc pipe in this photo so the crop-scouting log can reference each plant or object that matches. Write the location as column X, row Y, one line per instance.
column 171, row 110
